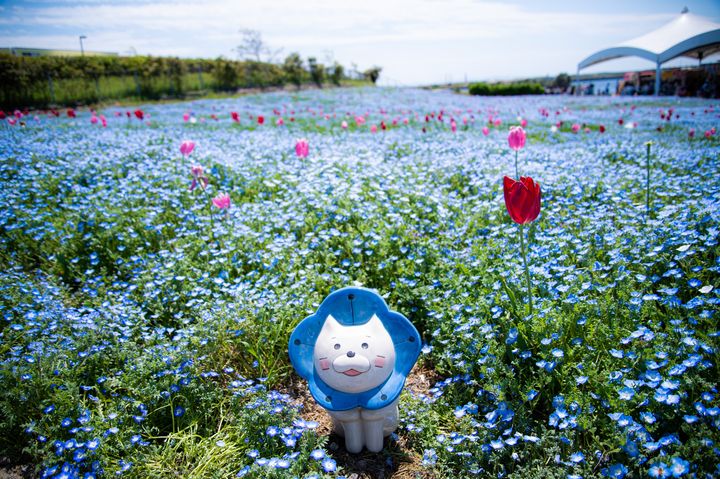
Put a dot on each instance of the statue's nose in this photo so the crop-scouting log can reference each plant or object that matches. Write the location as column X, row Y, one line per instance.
column 350, row 354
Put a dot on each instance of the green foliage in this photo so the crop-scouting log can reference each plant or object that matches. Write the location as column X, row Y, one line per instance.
column 317, row 71
column 293, row 68
column 372, row 74
column 505, row 89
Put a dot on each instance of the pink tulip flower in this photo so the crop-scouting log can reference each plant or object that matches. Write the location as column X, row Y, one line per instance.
column 94, row 120
column 373, row 129
column 186, row 147
column 280, row 122
column 453, row 126
column 516, row 138
column 344, row 125
column 302, row 148
column 222, row 201
column 486, row 130
column 523, row 123
column 186, row 117
column 103, row 121
column 691, row 133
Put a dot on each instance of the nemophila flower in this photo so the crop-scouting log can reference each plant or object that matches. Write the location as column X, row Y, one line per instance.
column 328, row 465
column 626, row 393
column 222, row 201
column 302, row 148
column 615, row 471
column 679, row 467
column 659, row 470
column 577, row 457
column 317, row 454
column 179, row 411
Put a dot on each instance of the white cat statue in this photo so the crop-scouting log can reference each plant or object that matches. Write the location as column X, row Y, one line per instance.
column 355, row 354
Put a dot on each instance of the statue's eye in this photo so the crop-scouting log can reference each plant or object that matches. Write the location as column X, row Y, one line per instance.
column 364, row 345
column 337, row 346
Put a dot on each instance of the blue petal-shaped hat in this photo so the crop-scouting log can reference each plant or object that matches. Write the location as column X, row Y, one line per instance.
column 354, row 307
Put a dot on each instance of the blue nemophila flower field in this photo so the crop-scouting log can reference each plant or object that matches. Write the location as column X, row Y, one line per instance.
column 144, row 328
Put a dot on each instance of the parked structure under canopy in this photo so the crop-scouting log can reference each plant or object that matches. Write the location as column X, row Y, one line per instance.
column 688, row 35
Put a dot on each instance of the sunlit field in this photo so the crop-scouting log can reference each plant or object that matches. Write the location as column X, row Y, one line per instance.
column 145, row 318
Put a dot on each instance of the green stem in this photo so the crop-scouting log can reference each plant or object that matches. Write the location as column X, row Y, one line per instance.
column 517, row 175
column 527, row 270
column 647, row 186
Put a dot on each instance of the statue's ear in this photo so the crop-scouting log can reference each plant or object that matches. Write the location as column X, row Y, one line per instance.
column 330, row 328
column 375, row 326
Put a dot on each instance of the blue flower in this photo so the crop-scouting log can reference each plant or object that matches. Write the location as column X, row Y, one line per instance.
column 329, row 465
column 317, row 454
column 659, row 470
column 179, row 411
column 679, row 467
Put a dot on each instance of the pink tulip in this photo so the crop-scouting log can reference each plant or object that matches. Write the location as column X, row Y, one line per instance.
column 280, row 122
column 186, row 147
column 523, row 123
column 575, row 128
column 302, row 148
column 486, row 130
column 186, row 117
column 359, row 120
column 103, row 121
column 344, row 125
column 12, row 121
column 222, row 201
column 94, row 120
column 691, row 133
column 516, row 138
column 498, row 122
column 198, row 177
column 405, row 121
column 453, row 126
column 373, row 129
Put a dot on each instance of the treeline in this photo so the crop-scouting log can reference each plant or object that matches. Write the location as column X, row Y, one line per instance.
column 44, row 81
column 506, row 89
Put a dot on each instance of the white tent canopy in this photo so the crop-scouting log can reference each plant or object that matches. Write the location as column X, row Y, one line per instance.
column 687, row 35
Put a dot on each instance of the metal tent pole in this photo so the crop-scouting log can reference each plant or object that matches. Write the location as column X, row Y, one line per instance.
column 657, row 79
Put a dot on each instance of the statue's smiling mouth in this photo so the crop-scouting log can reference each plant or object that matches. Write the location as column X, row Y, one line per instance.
column 352, row 372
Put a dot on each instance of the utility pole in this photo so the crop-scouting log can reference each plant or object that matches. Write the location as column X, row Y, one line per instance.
column 82, row 50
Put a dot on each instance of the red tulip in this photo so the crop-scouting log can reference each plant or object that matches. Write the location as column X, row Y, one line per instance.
column 522, row 199
column 235, row 117
column 260, row 119
column 71, row 113
column 139, row 114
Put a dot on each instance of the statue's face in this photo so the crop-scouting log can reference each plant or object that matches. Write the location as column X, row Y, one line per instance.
column 354, row 359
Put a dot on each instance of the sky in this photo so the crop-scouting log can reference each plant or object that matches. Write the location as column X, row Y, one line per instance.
column 416, row 42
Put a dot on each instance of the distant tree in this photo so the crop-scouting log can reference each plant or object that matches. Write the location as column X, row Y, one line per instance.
column 254, row 48
column 337, row 72
column 372, row 74
column 317, row 71
column 293, row 68
column 562, row 81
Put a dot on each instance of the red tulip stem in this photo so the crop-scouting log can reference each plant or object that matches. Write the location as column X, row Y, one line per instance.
column 527, row 270
column 517, row 175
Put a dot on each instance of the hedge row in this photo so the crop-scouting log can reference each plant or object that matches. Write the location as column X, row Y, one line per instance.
column 45, row 81
column 506, row 89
